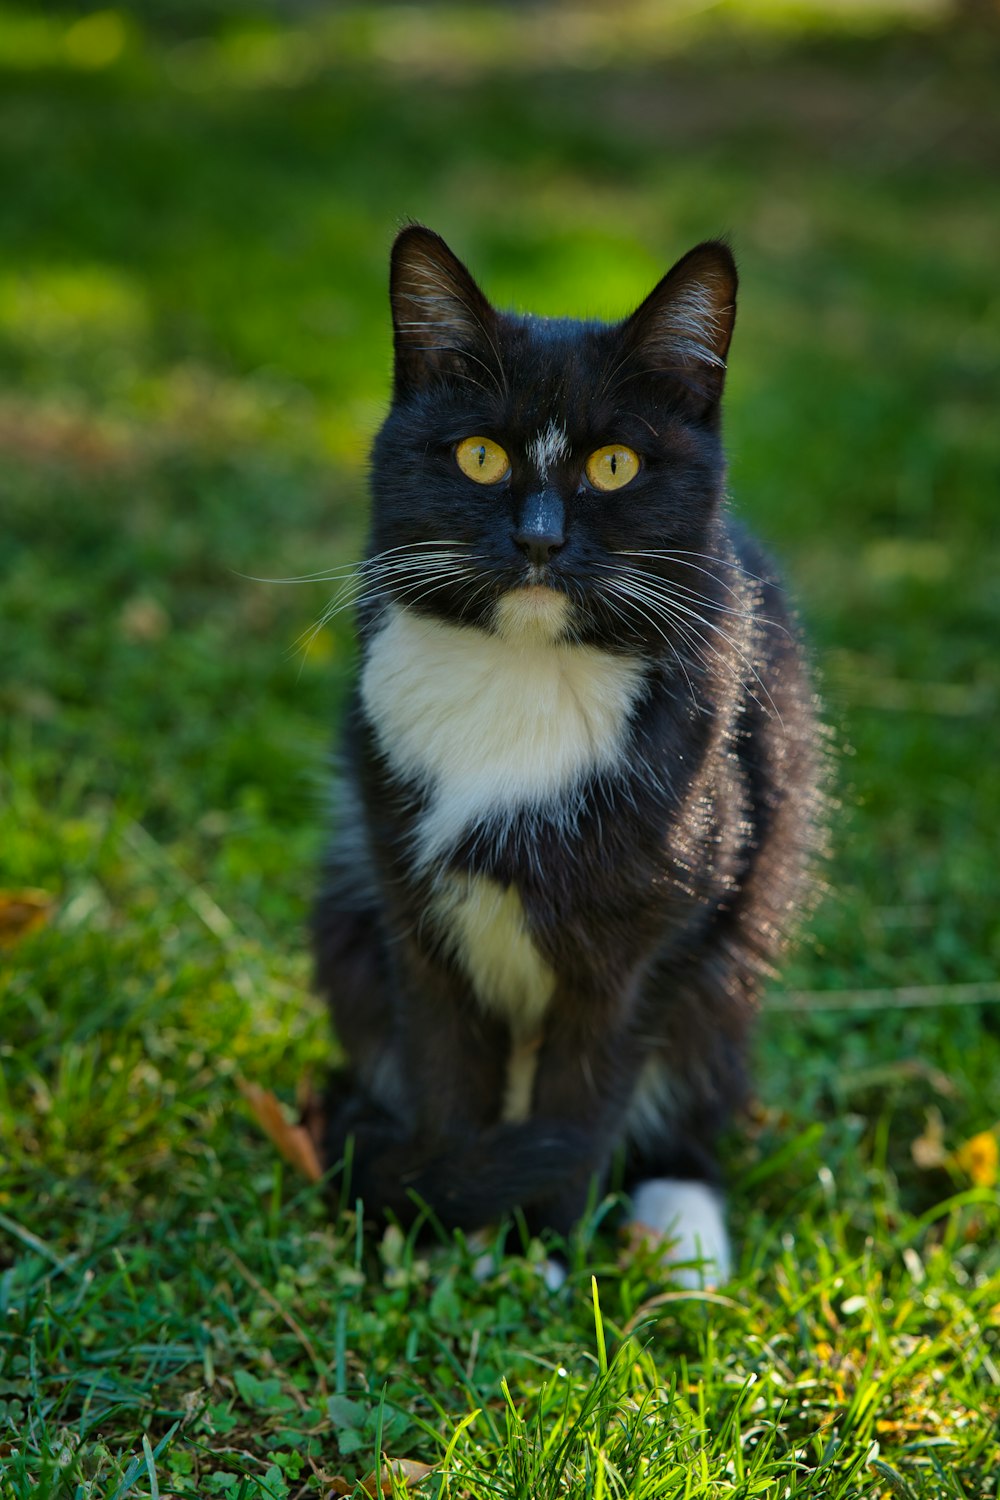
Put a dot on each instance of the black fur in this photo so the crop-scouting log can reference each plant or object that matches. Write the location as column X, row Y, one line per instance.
column 665, row 902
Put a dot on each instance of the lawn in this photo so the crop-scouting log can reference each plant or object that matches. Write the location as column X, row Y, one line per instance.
column 198, row 198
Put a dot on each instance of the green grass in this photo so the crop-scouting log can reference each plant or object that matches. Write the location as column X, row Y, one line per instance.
column 198, row 200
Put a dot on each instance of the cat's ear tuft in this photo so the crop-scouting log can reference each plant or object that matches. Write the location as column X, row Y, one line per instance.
column 442, row 323
column 682, row 330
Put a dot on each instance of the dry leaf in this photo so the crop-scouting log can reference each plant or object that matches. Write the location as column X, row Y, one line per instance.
column 928, row 1149
column 143, row 620
column 312, row 1116
column 979, row 1158
column 22, row 912
column 636, row 1237
column 406, row 1469
column 292, row 1141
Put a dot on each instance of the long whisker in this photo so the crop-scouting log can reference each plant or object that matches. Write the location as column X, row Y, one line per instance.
column 678, row 555
column 356, row 585
column 681, row 617
column 669, row 591
column 329, row 613
column 691, row 596
column 327, row 575
column 688, row 616
column 624, row 593
column 383, row 572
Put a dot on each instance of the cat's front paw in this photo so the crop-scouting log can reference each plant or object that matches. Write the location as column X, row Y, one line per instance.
column 687, row 1219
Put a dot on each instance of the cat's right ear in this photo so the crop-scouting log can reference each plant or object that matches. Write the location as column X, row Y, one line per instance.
column 442, row 323
column 681, row 332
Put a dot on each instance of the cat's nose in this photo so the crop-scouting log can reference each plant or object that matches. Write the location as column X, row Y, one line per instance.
column 542, row 528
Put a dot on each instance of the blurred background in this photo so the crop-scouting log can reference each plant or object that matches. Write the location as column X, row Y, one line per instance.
column 198, row 201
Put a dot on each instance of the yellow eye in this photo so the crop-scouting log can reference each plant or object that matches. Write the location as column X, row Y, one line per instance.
column 481, row 459
column 610, row 468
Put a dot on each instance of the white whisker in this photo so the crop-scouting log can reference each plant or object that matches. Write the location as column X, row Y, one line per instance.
column 677, row 612
column 678, row 555
column 328, row 575
column 671, row 590
column 624, row 593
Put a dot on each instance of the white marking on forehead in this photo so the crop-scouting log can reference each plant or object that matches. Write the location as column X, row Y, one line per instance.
column 551, row 444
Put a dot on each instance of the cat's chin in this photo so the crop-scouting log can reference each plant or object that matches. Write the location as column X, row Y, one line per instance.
column 532, row 615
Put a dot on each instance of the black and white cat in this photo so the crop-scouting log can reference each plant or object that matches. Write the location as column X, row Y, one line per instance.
column 582, row 768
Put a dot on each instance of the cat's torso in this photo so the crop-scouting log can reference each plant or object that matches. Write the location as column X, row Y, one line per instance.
column 581, row 769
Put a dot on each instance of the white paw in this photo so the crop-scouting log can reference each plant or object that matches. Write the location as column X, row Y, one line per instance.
column 688, row 1215
column 484, row 1266
column 553, row 1273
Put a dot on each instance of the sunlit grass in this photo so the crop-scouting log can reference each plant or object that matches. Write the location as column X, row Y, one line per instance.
column 211, row 48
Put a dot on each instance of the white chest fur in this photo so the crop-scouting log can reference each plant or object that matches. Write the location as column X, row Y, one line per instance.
column 485, row 926
column 489, row 726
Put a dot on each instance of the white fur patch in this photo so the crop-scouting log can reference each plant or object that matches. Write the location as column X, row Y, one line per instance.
column 689, row 1215
column 532, row 613
column 486, row 1264
column 522, row 1066
column 490, row 728
column 549, row 447
column 485, row 927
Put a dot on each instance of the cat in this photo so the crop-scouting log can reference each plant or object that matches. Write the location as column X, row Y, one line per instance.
column 582, row 764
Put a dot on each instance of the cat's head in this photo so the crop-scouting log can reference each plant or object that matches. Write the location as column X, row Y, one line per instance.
column 530, row 468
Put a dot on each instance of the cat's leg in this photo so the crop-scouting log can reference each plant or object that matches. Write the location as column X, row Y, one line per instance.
column 672, row 1173
column 587, row 1070
column 413, row 1117
column 688, row 1219
column 673, row 1183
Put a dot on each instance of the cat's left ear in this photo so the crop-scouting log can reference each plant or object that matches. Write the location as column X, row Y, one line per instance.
column 682, row 330
column 443, row 325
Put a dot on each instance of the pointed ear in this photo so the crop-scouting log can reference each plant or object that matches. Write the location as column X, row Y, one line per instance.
column 683, row 328
column 442, row 323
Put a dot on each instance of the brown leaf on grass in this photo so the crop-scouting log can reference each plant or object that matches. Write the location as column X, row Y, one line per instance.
column 143, row 620
column 636, row 1237
column 408, row 1470
column 293, row 1142
column 22, row 912
column 49, row 433
column 312, row 1116
column 928, row 1149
